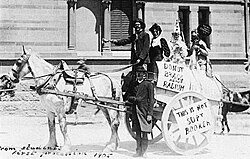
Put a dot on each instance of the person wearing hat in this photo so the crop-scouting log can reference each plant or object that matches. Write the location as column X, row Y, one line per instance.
column 83, row 67
column 178, row 48
column 199, row 54
column 158, row 51
column 143, row 111
column 140, row 41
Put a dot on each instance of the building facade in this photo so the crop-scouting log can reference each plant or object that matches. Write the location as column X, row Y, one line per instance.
column 70, row 29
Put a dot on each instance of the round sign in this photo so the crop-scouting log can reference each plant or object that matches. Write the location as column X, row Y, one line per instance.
column 204, row 30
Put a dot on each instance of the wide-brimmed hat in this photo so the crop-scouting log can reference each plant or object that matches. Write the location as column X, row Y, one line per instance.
column 82, row 61
column 155, row 26
column 143, row 25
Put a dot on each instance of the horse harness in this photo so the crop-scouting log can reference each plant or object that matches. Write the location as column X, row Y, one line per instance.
column 76, row 81
column 51, row 82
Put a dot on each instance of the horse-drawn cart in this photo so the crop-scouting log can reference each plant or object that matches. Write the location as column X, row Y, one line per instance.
column 184, row 114
column 187, row 103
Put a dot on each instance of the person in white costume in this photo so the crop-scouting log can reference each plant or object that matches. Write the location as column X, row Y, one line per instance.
column 178, row 48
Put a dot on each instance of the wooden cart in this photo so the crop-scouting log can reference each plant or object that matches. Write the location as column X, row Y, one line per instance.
column 187, row 105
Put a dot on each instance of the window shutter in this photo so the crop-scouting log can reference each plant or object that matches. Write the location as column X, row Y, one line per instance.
column 121, row 15
column 203, row 14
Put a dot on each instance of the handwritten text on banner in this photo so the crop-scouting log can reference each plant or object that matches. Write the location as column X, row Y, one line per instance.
column 174, row 77
column 193, row 119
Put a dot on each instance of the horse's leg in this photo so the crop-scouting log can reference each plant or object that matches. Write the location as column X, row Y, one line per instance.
column 63, row 127
column 225, row 114
column 106, row 114
column 76, row 117
column 114, row 124
column 79, row 103
column 226, row 123
column 222, row 125
column 224, row 111
column 224, row 120
column 52, row 130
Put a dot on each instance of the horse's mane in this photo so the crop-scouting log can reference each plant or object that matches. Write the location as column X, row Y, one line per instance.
column 39, row 66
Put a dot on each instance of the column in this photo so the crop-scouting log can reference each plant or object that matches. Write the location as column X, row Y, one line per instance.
column 107, row 26
column 194, row 17
column 247, row 25
column 71, row 24
column 140, row 9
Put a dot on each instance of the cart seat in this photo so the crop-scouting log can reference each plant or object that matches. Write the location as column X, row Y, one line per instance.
column 73, row 81
column 163, row 98
column 69, row 77
column 158, row 109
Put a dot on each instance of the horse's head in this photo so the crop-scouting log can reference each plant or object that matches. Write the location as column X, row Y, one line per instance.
column 19, row 70
column 21, row 67
column 6, row 85
column 127, row 83
column 236, row 97
column 245, row 97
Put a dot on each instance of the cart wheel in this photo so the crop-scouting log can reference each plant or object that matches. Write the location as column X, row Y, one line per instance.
column 153, row 137
column 183, row 135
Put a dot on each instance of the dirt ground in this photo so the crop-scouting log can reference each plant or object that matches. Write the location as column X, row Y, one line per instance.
column 24, row 131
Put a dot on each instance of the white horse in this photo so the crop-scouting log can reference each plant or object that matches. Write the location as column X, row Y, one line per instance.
column 50, row 77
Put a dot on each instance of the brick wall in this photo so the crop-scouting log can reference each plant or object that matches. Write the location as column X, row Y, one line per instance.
column 227, row 22
column 38, row 24
column 228, row 30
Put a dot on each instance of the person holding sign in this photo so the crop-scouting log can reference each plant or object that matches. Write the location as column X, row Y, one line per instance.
column 199, row 53
column 158, row 50
column 144, row 101
column 178, row 48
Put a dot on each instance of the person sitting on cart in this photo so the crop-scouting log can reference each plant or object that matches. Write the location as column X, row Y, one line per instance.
column 83, row 67
column 199, row 54
column 158, row 51
column 178, row 48
column 143, row 111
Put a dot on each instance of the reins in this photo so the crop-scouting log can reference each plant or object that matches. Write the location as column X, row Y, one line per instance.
column 223, row 85
column 107, row 71
column 120, row 69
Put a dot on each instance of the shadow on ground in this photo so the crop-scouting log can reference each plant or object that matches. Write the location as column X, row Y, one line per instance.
column 127, row 148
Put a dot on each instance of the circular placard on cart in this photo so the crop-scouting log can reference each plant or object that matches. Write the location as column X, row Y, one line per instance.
column 204, row 30
column 182, row 135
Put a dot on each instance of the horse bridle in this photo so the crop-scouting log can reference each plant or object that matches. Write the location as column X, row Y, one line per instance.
column 20, row 63
column 8, row 87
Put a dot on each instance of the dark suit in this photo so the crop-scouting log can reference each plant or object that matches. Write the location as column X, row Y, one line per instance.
column 144, row 101
column 156, row 54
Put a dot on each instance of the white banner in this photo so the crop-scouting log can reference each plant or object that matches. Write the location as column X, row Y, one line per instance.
column 195, row 118
column 174, row 77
